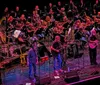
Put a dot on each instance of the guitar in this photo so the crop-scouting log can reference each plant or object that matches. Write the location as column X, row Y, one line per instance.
column 57, row 48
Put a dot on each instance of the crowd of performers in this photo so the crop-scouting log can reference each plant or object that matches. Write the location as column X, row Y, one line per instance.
column 72, row 22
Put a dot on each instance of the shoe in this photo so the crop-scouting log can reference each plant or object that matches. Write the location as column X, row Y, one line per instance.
column 57, row 73
column 35, row 76
column 34, row 80
column 30, row 78
column 95, row 63
column 61, row 70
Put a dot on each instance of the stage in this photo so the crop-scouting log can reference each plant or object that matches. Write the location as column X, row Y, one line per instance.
column 76, row 71
column 73, row 22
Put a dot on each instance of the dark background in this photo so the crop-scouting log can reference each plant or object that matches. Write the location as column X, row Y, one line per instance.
column 30, row 4
column 25, row 4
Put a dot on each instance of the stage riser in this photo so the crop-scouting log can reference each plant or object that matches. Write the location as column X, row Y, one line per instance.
column 12, row 63
column 95, row 81
column 43, row 81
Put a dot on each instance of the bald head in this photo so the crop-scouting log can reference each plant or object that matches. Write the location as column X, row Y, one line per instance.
column 57, row 38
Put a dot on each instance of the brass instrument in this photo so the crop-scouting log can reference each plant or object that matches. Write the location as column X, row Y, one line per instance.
column 2, row 37
column 22, row 58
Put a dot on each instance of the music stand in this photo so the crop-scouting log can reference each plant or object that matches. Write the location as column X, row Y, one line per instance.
column 16, row 33
column 47, row 79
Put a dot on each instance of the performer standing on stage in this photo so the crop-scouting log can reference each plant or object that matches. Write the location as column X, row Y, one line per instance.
column 32, row 59
column 93, row 43
column 55, row 49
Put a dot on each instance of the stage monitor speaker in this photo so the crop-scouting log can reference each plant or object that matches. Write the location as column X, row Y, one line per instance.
column 72, row 76
column 43, row 81
column 89, row 81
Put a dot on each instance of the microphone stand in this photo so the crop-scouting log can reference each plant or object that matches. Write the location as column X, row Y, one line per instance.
column 7, row 40
column 0, row 77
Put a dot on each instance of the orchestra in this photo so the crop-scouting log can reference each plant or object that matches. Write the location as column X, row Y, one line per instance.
column 70, row 25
